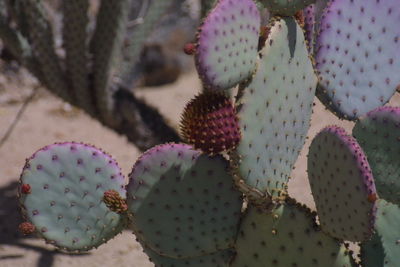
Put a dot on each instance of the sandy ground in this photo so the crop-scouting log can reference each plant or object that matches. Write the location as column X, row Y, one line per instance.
column 49, row 120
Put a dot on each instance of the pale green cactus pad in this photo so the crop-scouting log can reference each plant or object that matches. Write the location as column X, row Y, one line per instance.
column 379, row 135
column 286, row 7
column 388, row 237
column 217, row 259
column 287, row 236
column 342, row 185
column 227, row 44
column 184, row 203
column 67, row 182
column 274, row 110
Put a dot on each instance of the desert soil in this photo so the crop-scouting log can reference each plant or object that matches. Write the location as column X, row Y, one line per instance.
column 48, row 120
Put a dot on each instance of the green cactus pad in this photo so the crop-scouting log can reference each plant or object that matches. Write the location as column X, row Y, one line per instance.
column 342, row 185
column 67, row 182
column 227, row 44
column 356, row 58
column 286, row 7
column 379, row 135
column 371, row 252
column 275, row 109
column 184, row 203
column 388, row 237
column 217, row 259
column 287, row 236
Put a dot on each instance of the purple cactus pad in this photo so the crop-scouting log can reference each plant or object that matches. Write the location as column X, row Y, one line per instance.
column 227, row 44
column 342, row 185
column 356, row 52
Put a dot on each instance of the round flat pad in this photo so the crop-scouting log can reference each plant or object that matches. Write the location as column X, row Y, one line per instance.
column 184, row 203
column 342, row 185
column 227, row 44
column 356, row 52
column 67, row 183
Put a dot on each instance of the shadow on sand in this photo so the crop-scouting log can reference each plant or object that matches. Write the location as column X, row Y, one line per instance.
column 10, row 218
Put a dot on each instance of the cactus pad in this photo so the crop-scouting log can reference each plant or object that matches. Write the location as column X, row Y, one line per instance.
column 286, row 7
column 209, row 122
column 288, row 236
column 184, row 203
column 227, row 44
column 342, row 185
column 379, row 135
column 275, row 108
column 355, row 55
column 217, row 259
column 371, row 252
column 387, row 237
column 67, row 183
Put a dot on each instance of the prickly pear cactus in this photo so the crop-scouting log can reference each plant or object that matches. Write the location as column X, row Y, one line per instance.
column 61, row 193
column 222, row 199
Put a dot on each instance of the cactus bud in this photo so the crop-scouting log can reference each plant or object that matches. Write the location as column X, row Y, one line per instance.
column 189, row 48
column 114, row 201
column 26, row 189
column 26, row 228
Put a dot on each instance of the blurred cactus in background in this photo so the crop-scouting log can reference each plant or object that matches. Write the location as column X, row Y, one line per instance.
column 222, row 199
column 93, row 53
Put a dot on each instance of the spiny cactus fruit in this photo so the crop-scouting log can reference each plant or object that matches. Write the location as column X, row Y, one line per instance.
column 209, row 122
column 379, row 135
column 286, row 236
column 183, row 202
column 227, row 44
column 274, row 110
column 356, row 53
column 342, row 185
column 67, row 183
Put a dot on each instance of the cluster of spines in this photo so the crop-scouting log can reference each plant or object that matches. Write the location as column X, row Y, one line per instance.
column 209, row 122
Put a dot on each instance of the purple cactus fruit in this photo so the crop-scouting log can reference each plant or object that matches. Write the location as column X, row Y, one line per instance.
column 209, row 122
